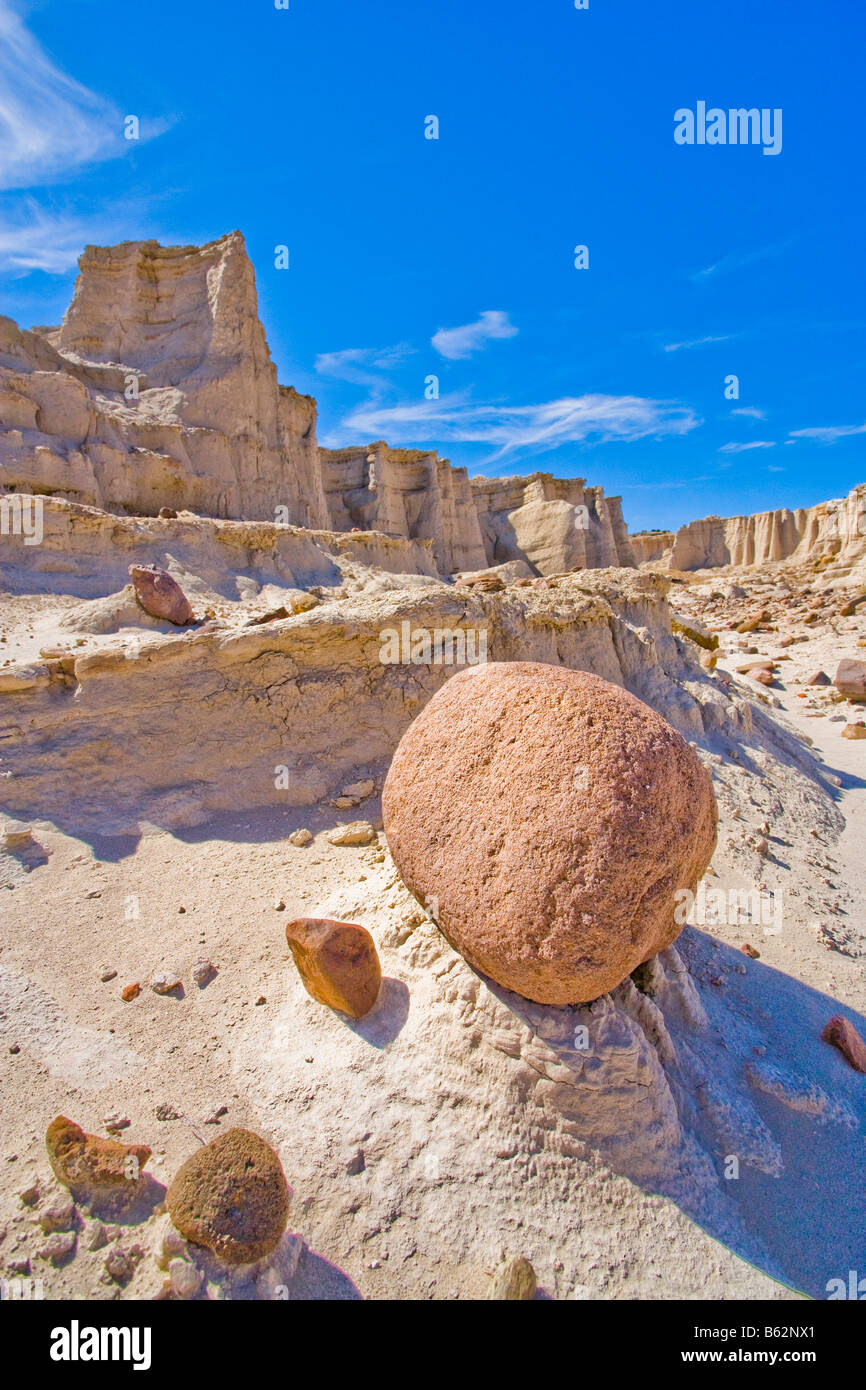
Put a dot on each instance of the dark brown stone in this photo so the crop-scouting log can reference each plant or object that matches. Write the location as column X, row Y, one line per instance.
column 232, row 1197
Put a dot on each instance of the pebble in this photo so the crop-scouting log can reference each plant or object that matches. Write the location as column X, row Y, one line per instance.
column 58, row 1248
column 166, row 1111
column 202, row 972
column 106, row 973
column 60, row 1216
column 115, row 1122
column 130, row 992
column 120, row 1265
column 301, row 837
column 165, row 982
column 357, row 832
column 184, row 1278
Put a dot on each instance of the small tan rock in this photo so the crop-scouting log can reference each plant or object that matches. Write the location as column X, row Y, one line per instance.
column 514, row 1282
column 359, row 790
column 301, row 837
column 232, row 1197
column 357, row 832
column 337, row 962
column 854, row 731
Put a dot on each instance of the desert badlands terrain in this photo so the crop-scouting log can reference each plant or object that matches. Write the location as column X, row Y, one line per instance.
column 249, row 685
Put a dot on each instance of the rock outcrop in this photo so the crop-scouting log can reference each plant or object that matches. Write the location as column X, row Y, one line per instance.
column 832, row 534
column 555, row 524
column 158, row 390
column 408, row 493
column 649, row 546
column 158, row 393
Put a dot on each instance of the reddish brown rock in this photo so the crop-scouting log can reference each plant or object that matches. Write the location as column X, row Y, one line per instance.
column 762, row 676
column 232, row 1197
column 553, row 816
column 857, row 730
column 337, row 963
column 818, row 678
column 844, row 1035
column 83, row 1162
column 160, row 595
column 850, row 678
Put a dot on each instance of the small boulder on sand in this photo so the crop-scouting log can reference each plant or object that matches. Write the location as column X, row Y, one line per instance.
column 850, row 678
column 554, row 817
column 83, row 1162
column 337, row 962
column 160, row 595
column 357, row 832
column 842, row 1034
column 232, row 1197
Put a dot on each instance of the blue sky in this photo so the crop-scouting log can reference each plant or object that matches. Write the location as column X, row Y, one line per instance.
column 455, row 257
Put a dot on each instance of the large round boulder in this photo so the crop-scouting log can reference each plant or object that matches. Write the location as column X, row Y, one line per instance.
column 547, row 819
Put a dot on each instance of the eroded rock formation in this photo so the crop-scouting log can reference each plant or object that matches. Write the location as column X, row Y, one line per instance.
column 158, row 391
column 832, row 534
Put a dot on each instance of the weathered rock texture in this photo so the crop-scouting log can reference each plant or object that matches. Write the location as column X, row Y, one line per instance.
column 651, row 545
column 310, row 692
column 231, row 1196
column 560, row 892
column 158, row 391
column 556, row 524
column 404, row 492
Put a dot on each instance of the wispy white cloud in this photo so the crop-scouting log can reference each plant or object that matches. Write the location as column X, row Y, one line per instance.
column 49, row 123
column 363, row 366
column 696, row 343
column 456, row 343
column 741, row 448
column 751, row 411
column 529, row 428
column 827, row 434
column 33, row 239
column 736, row 260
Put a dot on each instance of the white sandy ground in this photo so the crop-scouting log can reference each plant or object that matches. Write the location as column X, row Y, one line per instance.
column 482, row 1128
